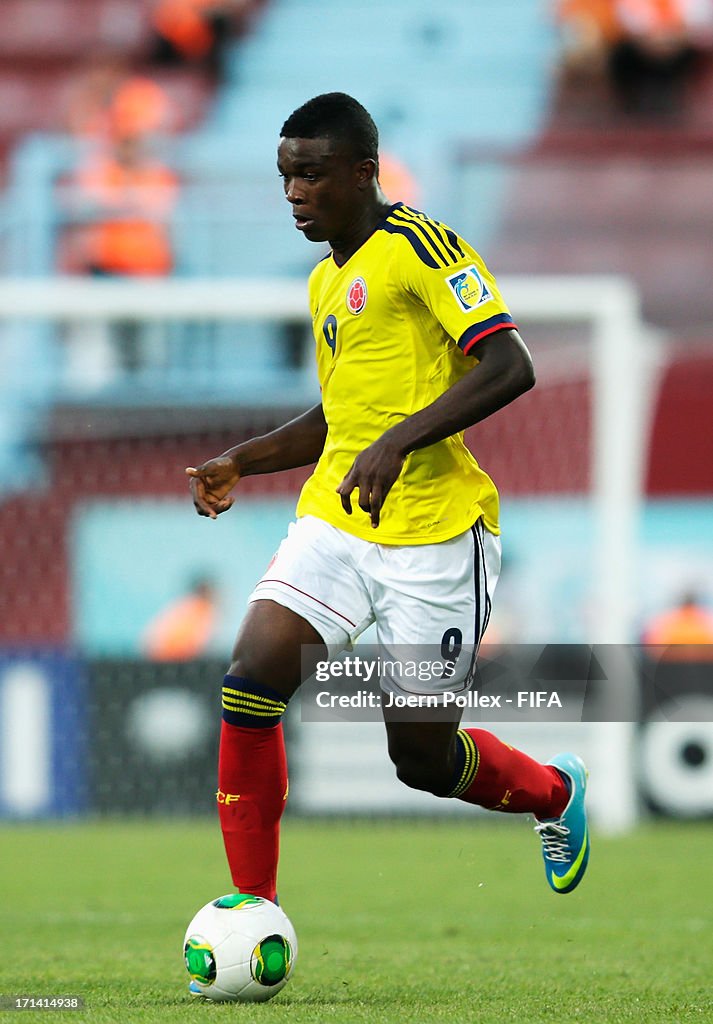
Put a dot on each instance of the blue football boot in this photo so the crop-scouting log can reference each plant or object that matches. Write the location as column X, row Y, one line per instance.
column 565, row 840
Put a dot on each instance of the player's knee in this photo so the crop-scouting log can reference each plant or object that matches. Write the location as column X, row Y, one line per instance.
column 268, row 648
column 426, row 775
column 245, row 666
column 264, row 665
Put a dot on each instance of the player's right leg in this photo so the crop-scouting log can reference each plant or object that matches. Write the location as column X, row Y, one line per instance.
column 309, row 603
column 252, row 767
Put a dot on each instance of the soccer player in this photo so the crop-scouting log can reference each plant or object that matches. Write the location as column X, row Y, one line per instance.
column 398, row 524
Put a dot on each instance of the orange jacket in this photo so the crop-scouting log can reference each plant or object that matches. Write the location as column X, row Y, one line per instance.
column 130, row 235
column 614, row 19
column 689, row 628
column 182, row 631
column 139, row 106
column 651, row 17
column 184, row 24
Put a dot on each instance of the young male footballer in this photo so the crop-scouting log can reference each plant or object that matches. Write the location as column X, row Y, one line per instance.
column 398, row 524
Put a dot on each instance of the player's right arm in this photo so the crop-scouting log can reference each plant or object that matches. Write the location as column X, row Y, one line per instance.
column 297, row 443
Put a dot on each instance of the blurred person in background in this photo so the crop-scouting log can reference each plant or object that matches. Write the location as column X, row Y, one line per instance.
column 396, row 179
column 110, row 101
column 686, row 630
column 127, row 197
column 197, row 32
column 652, row 61
column 644, row 50
column 141, row 108
column 120, row 201
column 89, row 102
column 589, row 30
column 184, row 629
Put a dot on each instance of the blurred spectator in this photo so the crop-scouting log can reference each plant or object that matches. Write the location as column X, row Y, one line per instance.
column 124, row 199
column 108, row 101
column 120, row 201
column 590, row 29
column 140, row 107
column 652, row 60
column 687, row 629
column 196, row 32
column 90, row 99
column 183, row 630
column 645, row 49
column 397, row 182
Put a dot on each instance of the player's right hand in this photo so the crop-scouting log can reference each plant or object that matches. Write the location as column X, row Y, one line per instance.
column 211, row 484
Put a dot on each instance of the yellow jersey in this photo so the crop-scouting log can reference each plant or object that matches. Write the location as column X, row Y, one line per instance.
column 394, row 327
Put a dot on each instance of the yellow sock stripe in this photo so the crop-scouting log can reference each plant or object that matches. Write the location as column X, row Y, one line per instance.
column 268, row 709
column 258, row 709
column 244, row 705
column 470, row 768
column 467, row 765
column 246, row 702
column 255, row 697
column 250, row 711
column 267, row 702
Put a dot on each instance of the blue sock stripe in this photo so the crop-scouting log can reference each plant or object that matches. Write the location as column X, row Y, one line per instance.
column 247, row 703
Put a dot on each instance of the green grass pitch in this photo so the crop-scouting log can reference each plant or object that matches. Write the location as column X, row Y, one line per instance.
column 398, row 922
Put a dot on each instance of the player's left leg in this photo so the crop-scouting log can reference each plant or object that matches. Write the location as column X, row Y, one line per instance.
column 473, row 765
column 424, row 752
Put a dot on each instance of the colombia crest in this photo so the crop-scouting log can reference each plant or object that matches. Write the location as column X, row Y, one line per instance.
column 356, row 295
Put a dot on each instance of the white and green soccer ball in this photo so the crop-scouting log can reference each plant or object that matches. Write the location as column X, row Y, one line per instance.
column 240, row 948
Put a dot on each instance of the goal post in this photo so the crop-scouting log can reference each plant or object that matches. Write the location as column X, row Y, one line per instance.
column 619, row 371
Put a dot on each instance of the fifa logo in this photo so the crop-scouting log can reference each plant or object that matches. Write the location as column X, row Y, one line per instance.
column 468, row 288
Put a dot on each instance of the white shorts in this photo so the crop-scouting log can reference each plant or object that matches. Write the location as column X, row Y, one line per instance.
column 422, row 597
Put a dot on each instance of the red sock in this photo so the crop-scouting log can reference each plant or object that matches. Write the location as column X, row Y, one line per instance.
column 252, row 790
column 505, row 779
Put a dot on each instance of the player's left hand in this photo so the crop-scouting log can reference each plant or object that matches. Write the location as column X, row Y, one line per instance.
column 374, row 473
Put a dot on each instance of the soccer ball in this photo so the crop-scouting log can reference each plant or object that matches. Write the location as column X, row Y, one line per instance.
column 240, row 948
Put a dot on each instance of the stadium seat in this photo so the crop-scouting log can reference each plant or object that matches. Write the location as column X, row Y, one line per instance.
column 631, row 204
column 40, row 31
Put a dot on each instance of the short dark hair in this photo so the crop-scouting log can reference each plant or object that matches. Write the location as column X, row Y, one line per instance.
column 335, row 115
